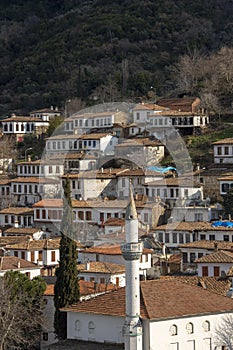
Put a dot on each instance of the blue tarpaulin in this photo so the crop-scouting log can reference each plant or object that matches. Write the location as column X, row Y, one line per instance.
column 222, row 223
column 162, row 170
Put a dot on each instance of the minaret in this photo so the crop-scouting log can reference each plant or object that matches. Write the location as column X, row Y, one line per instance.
column 132, row 251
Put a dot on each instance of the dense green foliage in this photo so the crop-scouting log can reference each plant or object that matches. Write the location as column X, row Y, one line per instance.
column 228, row 202
column 21, row 305
column 104, row 50
column 66, row 287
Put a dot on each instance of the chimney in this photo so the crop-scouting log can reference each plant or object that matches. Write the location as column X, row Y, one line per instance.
column 16, row 223
column 87, row 265
column 18, row 265
column 215, row 246
column 29, row 158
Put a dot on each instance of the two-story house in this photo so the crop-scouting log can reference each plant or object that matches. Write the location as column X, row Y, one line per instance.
column 44, row 252
column 22, row 125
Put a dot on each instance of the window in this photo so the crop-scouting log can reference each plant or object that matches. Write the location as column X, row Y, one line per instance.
column 40, row 255
column 225, row 187
column 53, row 256
column 198, row 217
column 226, row 238
column 167, row 238
column 80, row 215
column 45, row 336
column 174, row 237
column 202, row 237
column 102, row 280
column 216, row 271
column 32, row 256
column 91, row 327
column 181, row 238
column 146, row 217
column 199, row 255
column 77, row 325
column 50, row 169
column 15, row 253
column 206, row 326
column 189, row 328
column 23, row 255
column 88, row 215
column 192, row 257
column 137, row 115
column 226, row 149
column 205, row 271
column 173, row 330
column 212, row 237
column 219, row 151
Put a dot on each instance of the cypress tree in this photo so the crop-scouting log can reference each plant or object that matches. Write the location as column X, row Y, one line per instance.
column 66, row 290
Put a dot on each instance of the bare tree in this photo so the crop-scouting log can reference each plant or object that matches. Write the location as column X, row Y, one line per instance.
column 21, row 303
column 224, row 333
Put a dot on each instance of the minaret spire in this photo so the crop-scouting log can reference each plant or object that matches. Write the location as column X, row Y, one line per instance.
column 132, row 251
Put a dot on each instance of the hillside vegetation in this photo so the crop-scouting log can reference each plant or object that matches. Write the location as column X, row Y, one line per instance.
column 102, row 51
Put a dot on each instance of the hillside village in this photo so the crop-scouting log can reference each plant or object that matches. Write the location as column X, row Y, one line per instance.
column 185, row 266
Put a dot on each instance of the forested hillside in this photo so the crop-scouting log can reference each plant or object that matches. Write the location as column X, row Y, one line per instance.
column 100, row 51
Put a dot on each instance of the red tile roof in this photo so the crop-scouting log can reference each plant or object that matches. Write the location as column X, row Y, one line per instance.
column 101, row 267
column 217, row 257
column 204, row 244
column 85, row 288
column 14, row 263
column 36, row 244
column 159, row 300
column 108, row 249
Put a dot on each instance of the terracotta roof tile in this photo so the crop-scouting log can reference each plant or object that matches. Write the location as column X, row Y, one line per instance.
column 160, row 299
column 101, row 267
column 204, row 244
column 85, row 287
column 224, row 141
column 17, row 211
column 217, row 257
column 14, row 263
column 36, row 244
column 32, row 179
column 21, row 230
column 190, row 226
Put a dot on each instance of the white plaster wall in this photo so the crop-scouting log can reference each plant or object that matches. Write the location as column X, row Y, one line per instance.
column 161, row 339
column 222, row 267
column 33, row 272
column 107, row 328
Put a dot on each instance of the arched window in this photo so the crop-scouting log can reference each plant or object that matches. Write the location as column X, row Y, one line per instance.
column 91, row 327
column 206, row 326
column 189, row 328
column 77, row 325
column 173, row 330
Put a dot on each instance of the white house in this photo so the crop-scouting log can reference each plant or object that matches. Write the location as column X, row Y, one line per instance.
column 225, row 183
column 102, row 272
column 102, row 143
column 176, row 233
column 41, row 168
column 174, row 315
column 22, row 125
column 223, row 151
column 87, row 290
column 138, row 178
column 191, row 252
column 172, row 189
column 16, row 216
column 81, row 123
column 215, row 264
column 44, row 252
column 46, row 113
column 12, row 263
column 26, row 191
column 142, row 151
column 94, row 183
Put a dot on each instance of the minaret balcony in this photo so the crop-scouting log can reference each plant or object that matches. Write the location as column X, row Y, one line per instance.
column 131, row 251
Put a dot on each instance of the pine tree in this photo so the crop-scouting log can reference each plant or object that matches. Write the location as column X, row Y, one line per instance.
column 66, row 291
